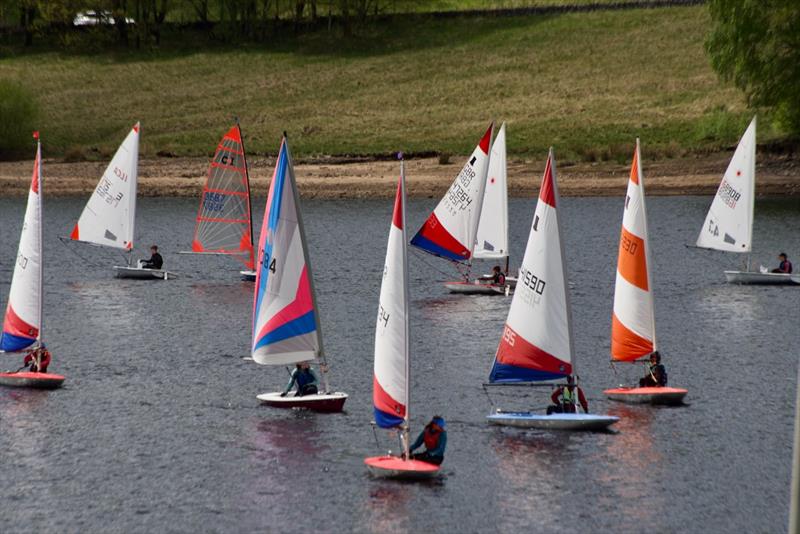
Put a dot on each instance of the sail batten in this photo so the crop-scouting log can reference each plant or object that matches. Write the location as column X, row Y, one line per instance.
column 451, row 229
column 536, row 344
column 729, row 223
column 391, row 359
column 285, row 317
column 633, row 318
column 22, row 324
column 110, row 214
column 224, row 222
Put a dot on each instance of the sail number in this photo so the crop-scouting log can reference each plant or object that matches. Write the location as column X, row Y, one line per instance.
column 509, row 336
column 728, row 194
column 268, row 261
column 383, row 316
column 213, row 201
column 628, row 245
column 105, row 192
column 532, row 281
column 227, row 159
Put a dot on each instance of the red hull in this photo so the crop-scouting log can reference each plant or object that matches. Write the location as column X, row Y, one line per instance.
column 394, row 467
column 330, row 405
column 27, row 379
column 648, row 395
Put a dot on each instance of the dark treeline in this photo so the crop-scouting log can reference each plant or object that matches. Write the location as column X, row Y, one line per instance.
column 140, row 23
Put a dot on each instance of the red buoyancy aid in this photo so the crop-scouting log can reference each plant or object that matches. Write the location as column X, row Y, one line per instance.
column 431, row 436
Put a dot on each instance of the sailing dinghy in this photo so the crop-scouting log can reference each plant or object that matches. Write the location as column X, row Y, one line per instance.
column 491, row 239
column 390, row 384
column 286, row 327
column 633, row 321
column 109, row 218
column 729, row 224
column 537, row 345
column 450, row 231
column 22, row 326
column 224, row 224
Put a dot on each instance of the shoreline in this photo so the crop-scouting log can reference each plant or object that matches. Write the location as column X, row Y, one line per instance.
column 776, row 175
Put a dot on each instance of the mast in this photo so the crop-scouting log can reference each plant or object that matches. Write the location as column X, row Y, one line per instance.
column 567, row 300
column 138, row 128
column 40, row 337
column 646, row 245
column 406, row 429
column 752, row 196
column 296, row 194
column 247, row 186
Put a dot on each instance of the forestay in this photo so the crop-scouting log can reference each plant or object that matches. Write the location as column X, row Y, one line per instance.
column 537, row 339
column 450, row 230
column 223, row 219
column 108, row 218
column 285, row 319
column 23, row 319
column 491, row 240
column 633, row 330
column 390, row 382
column 729, row 223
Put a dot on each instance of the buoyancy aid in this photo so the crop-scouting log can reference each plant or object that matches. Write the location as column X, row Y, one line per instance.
column 567, row 396
column 303, row 378
column 431, row 436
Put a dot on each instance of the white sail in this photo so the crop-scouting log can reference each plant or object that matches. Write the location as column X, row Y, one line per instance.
column 108, row 218
column 23, row 319
column 537, row 339
column 729, row 223
column 491, row 241
column 390, row 383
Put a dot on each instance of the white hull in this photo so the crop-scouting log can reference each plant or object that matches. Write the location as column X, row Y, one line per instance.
column 248, row 276
column 753, row 278
column 556, row 421
column 319, row 402
column 137, row 273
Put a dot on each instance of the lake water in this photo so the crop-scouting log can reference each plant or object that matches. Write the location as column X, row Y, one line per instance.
column 157, row 427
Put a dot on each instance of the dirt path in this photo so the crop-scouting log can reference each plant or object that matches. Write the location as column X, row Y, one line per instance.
column 777, row 175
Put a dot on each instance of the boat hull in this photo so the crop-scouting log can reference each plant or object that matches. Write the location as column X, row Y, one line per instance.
column 475, row 288
column 394, row 467
column 650, row 395
column 752, row 278
column 27, row 379
column 248, row 276
column 556, row 421
column 319, row 402
column 137, row 273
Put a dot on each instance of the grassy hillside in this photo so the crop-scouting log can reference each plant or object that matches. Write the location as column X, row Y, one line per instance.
column 587, row 83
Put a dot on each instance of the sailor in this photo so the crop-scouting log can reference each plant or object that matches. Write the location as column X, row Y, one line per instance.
column 785, row 266
column 37, row 359
column 564, row 398
column 155, row 261
column 434, row 436
column 656, row 373
column 305, row 378
column 498, row 278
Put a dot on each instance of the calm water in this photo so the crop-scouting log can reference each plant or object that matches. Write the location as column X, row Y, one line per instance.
column 158, row 429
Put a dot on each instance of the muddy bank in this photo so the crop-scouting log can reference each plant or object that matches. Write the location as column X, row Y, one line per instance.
column 776, row 175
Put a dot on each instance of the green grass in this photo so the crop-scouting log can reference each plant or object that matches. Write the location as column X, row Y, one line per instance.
column 587, row 83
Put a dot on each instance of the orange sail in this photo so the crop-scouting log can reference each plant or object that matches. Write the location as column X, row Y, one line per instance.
column 633, row 330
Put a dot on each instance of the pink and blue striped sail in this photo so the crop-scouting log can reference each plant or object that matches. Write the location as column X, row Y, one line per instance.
column 285, row 322
column 23, row 312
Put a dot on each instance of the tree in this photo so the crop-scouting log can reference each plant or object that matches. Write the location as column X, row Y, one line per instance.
column 756, row 44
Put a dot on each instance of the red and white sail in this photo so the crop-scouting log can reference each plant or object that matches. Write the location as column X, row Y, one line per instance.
column 390, row 382
column 23, row 318
column 729, row 223
column 224, row 224
column 450, row 230
column 491, row 241
column 633, row 327
column 109, row 216
column 537, row 339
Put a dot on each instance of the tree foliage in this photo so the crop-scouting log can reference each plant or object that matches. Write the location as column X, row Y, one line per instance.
column 18, row 113
column 756, row 44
